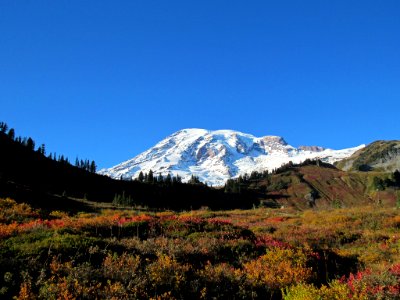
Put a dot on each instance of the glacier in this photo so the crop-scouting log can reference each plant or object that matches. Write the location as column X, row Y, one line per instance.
column 216, row 156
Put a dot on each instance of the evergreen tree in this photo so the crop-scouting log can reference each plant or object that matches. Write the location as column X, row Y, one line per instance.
column 30, row 144
column 150, row 178
column 245, row 177
column 378, row 184
column 141, row 176
column 396, row 178
column 160, row 178
column 241, row 179
column 3, row 127
column 228, row 186
column 178, row 179
column 123, row 199
column 11, row 134
column 42, row 149
column 168, row 179
column 232, row 186
column 194, row 180
column 93, row 167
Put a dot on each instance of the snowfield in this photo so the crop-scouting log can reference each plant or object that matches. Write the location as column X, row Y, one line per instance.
column 215, row 156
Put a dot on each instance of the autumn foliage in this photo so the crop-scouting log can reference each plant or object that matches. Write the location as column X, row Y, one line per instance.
column 241, row 254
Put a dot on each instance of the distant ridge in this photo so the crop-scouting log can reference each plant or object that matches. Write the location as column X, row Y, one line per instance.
column 377, row 156
column 216, row 156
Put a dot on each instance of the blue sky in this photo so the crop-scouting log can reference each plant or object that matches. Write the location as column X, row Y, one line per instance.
column 106, row 80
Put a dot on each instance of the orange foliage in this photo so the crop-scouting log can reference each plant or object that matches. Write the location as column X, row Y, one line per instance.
column 25, row 292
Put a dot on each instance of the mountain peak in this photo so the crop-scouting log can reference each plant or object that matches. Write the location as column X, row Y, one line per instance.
column 191, row 131
column 217, row 155
column 274, row 139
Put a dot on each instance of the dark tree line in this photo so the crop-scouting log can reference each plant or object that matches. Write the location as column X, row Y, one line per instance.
column 160, row 179
column 240, row 184
column 29, row 143
column 168, row 179
column 381, row 184
column 86, row 165
column 308, row 162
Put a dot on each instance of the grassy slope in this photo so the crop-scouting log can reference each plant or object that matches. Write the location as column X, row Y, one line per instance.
column 333, row 187
column 378, row 156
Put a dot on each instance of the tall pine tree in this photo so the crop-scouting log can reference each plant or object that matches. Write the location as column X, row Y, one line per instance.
column 93, row 167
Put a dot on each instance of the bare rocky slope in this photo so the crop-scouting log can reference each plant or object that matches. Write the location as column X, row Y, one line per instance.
column 377, row 156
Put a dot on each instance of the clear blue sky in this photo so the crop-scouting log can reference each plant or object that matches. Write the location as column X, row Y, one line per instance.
column 106, row 80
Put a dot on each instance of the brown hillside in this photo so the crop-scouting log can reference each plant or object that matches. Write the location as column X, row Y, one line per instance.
column 321, row 187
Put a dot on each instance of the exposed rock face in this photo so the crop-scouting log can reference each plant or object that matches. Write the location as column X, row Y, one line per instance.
column 312, row 148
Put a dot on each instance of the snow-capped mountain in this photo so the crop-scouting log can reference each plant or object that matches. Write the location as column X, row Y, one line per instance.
column 215, row 156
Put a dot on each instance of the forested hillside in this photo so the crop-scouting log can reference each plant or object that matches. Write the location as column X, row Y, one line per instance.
column 27, row 174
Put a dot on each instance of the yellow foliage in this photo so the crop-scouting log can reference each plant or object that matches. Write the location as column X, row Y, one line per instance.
column 167, row 271
column 341, row 291
column 124, row 262
column 58, row 214
column 115, row 291
column 336, row 290
column 278, row 268
column 11, row 211
column 301, row 292
column 166, row 295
